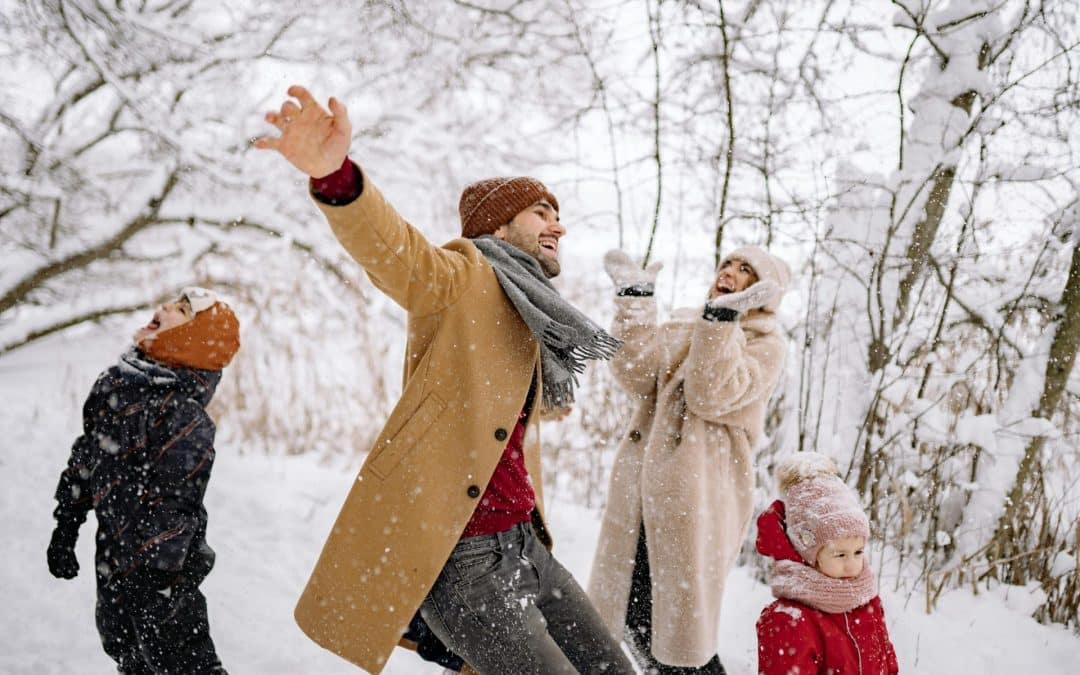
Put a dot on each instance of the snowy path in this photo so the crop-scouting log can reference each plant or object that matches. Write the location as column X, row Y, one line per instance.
column 268, row 517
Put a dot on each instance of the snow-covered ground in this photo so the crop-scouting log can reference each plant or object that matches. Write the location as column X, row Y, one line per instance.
column 269, row 515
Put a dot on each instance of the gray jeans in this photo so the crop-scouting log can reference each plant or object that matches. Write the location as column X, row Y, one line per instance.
column 505, row 605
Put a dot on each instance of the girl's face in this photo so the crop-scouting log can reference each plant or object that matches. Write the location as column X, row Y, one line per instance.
column 733, row 276
column 842, row 558
column 169, row 315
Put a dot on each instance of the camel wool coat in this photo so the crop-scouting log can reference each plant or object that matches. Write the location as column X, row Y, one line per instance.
column 469, row 363
column 684, row 467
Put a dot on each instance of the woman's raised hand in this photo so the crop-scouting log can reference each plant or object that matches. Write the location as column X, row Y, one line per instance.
column 625, row 272
column 756, row 295
column 312, row 139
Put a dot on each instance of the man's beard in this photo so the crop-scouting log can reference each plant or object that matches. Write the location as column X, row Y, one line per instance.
column 548, row 265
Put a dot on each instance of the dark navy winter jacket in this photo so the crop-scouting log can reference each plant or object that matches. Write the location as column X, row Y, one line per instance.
column 142, row 463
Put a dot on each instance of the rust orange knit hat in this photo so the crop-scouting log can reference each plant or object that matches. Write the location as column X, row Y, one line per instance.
column 208, row 342
column 488, row 204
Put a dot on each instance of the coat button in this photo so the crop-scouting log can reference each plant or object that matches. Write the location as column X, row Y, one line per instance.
column 473, row 491
column 635, row 435
column 500, row 434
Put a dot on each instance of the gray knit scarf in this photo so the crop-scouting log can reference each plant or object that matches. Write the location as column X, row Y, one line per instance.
column 567, row 337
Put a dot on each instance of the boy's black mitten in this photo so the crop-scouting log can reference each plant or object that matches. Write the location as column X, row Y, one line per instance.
column 429, row 647
column 61, row 553
column 146, row 579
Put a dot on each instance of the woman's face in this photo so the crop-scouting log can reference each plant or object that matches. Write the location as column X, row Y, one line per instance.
column 733, row 276
column 842, row 558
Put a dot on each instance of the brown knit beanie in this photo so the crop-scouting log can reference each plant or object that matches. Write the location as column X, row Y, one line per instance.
column 488, row 204
column 208, row 342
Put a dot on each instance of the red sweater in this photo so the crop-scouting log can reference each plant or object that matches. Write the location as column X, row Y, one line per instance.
column 509, row 498
column 794, row 638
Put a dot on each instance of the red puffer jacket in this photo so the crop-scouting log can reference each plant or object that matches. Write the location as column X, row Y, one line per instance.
column 795, row 639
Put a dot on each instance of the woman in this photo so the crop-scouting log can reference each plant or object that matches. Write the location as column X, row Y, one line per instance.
column 679, row 502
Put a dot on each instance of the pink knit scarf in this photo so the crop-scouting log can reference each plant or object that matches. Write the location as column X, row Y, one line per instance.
column 802, row 583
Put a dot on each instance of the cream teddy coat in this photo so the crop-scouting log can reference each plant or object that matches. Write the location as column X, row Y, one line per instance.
column 684, row 467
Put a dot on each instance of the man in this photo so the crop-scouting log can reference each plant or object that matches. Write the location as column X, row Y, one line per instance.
column 446, row 515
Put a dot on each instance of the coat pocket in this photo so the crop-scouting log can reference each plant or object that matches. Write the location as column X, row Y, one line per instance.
column 390, row 452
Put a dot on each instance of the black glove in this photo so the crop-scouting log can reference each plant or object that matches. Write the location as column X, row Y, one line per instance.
column 428, row 646
column 143, row 583
column 61, row 553
column 729, row 306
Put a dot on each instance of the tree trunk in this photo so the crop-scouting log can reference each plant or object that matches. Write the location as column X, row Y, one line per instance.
column 922, row 237
column 1020, row 505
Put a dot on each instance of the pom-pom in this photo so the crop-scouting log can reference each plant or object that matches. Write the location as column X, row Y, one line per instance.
column 802, row 466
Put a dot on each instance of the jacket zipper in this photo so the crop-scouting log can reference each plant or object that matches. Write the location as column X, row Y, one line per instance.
column 858, row 653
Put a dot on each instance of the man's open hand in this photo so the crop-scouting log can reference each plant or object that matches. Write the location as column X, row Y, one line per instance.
column 312, row 139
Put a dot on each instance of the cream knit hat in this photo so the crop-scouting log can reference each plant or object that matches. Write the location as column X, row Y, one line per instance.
column 767, row 267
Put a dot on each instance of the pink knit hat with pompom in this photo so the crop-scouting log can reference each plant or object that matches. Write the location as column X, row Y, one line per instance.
column 819, row 505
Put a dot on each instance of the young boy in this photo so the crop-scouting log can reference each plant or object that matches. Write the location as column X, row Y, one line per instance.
column 142, row 464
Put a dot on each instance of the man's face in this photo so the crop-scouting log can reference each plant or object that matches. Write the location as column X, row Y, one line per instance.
column 169, row 315
column 733, row 276
column 537, row 231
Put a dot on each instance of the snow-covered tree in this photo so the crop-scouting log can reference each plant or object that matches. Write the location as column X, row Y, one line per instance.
column 915, row 161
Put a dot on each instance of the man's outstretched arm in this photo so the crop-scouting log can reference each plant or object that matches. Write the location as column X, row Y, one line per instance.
column 399, row 260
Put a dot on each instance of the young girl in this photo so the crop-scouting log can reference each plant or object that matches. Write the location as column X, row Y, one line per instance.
column 828, row 617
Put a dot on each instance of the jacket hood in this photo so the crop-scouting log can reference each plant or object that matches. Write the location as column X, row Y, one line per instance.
column 772, row 539
column 196, row 384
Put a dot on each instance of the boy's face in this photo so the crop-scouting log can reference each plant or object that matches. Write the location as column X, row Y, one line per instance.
column 733, row 276
column 537, row 231
column 169, row 315
column 842, row 558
